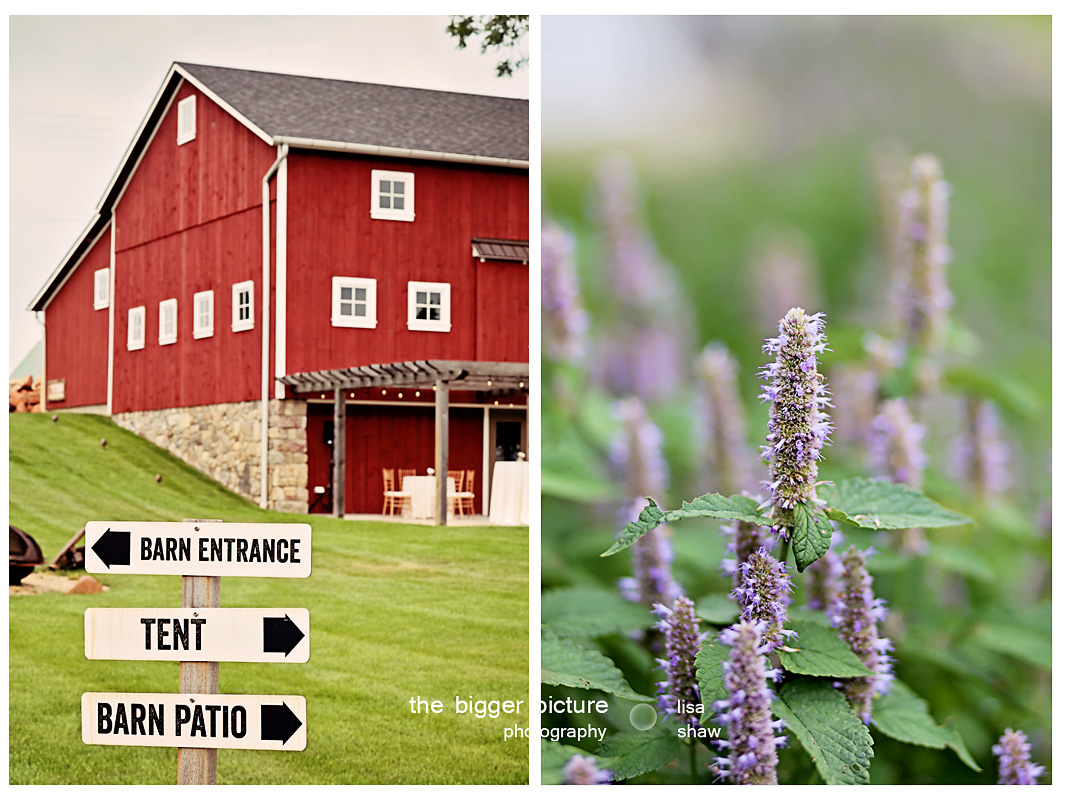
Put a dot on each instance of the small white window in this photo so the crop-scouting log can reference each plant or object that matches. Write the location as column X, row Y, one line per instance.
column 355, row 303
column 242, row 307
column 101, row 288
column 203, row 315
column 135, row 329
column 187, row 119
column 168, row 321
column 429, row 306
column 392, row 195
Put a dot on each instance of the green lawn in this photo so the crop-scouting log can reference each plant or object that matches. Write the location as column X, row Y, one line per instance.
column 396, row 611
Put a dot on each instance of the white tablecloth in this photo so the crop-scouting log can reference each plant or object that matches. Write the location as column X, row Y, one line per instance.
column 509, row 501
column 423, row 490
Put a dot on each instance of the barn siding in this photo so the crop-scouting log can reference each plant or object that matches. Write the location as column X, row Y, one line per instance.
column 330, row 233
column 191, row 221
column 378, row 437
column 76, row 334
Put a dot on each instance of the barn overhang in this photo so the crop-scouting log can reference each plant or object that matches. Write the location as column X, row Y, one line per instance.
column 441, row 375
column 460, row 375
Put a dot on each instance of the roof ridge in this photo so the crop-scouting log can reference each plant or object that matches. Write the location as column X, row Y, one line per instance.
column 190, row 65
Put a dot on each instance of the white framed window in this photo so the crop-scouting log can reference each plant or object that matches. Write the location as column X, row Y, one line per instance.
column 187, row 119
column 242, row 307
column 168, row 321
column 429, row 306
column 392, row 195
column 135, row 329
column 101, row 288
column 355, row 303
column 203, row 315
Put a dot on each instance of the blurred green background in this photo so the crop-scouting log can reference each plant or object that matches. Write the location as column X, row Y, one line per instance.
column 739, row 127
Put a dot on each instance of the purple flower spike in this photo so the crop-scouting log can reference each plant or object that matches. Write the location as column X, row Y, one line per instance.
column 745, row 539
column 753, row 735
column 563, row 321
column 721, row 422
column 637, row 459
column 1016, row 768
column 799, row 427
column 683, row 643
column 856, row 615
column 637, row 452
column 823, row 581
column 895, row 445
column 922, row 296
column 764, row 593
column 980, row 457
column 583, row 771
column 652, row 557
column 896, row 454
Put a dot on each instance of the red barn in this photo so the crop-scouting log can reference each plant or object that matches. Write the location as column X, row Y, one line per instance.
column 295, row 272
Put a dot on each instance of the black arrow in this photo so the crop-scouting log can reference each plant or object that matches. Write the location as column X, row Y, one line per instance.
column 280, row 635
column 113, row 547
column 278, row 723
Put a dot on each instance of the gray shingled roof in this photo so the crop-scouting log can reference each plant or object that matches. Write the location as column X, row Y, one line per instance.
column 371, row 114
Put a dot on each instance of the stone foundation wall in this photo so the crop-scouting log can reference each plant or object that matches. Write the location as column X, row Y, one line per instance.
column 223, row 442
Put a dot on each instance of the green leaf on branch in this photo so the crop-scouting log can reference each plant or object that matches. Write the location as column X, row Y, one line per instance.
column 718, row 609
column 903, row 715
column 811, row 535
column 566, row 663
column 882, row 505
column 554, row 757
column 715, row 506
column 632, row 753
column 709, row 675
column 1017, row 641
column 1005, row 390
column 589, row 611
column 820, row 718
column 819, row 651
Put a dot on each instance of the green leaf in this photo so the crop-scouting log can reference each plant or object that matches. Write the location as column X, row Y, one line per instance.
column 719, row 609
column 589, row 611
column 632, row 753
column 710, row 505
column 882, row 505
column 962, row 561
column 903, row 715
column 1017, row 641
column 1005, row 390
column 572, row 470
column 819, row 651
column 811, row 535
column 554, row 757
column 566, row 663
column 709, row 675
column 821, row 719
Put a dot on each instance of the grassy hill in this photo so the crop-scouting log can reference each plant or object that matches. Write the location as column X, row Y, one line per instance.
column 396, row 611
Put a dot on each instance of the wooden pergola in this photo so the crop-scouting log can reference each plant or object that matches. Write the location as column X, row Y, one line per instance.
column 482, row 376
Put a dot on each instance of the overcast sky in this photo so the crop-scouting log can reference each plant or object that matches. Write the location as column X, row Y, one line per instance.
column 79, row 87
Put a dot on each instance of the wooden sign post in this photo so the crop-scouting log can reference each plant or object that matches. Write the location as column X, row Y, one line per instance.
column 201, row 551
column 197, row 766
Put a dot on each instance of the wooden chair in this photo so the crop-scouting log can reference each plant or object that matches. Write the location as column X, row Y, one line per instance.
column 402, row 473
column 394, row 501
column 456, row 476
column 466, row 497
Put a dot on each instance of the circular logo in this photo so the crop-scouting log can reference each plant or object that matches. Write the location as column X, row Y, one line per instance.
column 643, row 716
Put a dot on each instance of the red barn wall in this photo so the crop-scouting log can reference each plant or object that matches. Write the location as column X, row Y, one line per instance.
column 378, row 437
column 191, row 220
column 331, row 233
column 76, row 334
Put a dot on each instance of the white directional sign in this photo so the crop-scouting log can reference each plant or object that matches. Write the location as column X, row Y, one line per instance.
column 234, row 721
column 198, row 634
column 254, row 550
